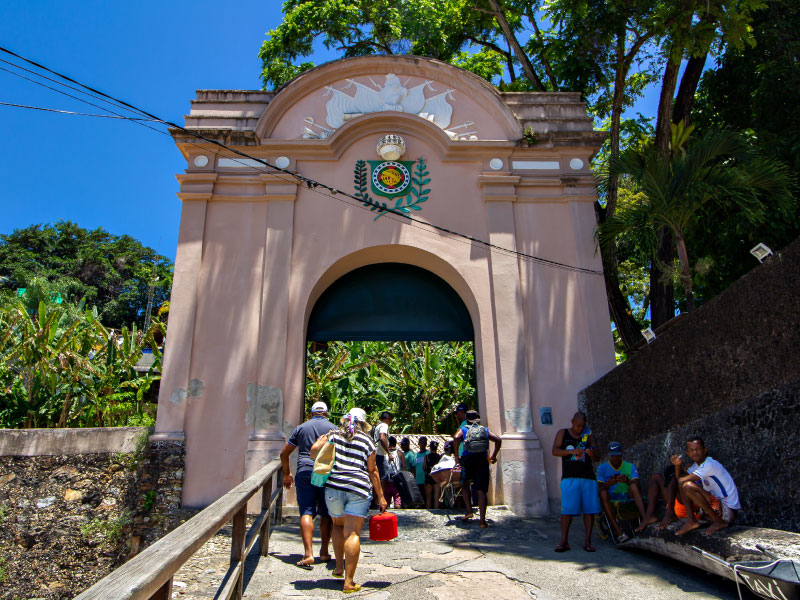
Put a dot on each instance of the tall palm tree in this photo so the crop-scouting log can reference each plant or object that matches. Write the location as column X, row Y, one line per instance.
column 718, row 166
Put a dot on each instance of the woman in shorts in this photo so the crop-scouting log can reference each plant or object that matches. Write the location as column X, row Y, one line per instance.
column 348, row 491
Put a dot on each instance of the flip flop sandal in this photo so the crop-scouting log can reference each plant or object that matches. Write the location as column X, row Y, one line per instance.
column 338, row 575
column 302, row 565
column 562, row 548
column 623, row 538
column 353, row 590
column 589, row 548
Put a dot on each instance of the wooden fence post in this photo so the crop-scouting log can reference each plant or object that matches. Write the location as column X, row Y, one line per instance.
column 237, row 547
column 164, row 592
column 266, row 502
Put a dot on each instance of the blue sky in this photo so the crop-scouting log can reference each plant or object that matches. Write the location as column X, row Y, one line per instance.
column 103, row 172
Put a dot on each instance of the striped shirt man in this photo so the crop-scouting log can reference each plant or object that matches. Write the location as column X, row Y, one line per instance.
column 349, row 472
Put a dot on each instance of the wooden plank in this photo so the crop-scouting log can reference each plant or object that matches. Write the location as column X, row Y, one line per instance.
column 235, row 574
column 164, row 592
column 147, row 572
column 237, row 549
column 268, row 499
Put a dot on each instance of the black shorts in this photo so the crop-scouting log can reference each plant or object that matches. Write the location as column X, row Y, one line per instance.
column 476, row 470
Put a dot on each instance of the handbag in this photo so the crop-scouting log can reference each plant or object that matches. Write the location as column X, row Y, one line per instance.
column 323, row 464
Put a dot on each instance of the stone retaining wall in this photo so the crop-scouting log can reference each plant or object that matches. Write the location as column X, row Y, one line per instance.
column 729, row 372
column 67, row 520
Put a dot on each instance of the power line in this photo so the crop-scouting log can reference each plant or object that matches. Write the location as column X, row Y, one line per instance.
column 69, row 112
column 310, row 183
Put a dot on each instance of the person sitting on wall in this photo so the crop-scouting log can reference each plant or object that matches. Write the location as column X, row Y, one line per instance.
column 475, row 460
column 579, row 495
column 662, row 486
column 708, row 486
column 618, row 481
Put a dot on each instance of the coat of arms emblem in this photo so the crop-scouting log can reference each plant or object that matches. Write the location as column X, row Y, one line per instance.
column 401, row 181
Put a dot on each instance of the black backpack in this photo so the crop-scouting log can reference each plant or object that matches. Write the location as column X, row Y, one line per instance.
column 476, row 440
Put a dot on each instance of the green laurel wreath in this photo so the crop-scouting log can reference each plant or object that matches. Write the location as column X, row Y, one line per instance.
column 402, row 205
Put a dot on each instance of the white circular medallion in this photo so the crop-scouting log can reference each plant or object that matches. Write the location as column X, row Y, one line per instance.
column 496, row 164
column 200, row 161
column 391, row 177
column 282, row 162
column 576, row 163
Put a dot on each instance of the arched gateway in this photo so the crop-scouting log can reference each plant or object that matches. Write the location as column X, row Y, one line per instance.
column 257, row 253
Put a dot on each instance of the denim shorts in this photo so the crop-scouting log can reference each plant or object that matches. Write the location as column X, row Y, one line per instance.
column 342, row 503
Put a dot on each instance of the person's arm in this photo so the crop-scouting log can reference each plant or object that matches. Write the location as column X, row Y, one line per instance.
column 288, row 479
column 384, row 441
column 375, row 478
column 605, row 484
column 680, row 473
column 558, row 451
column 314, row 450
column 402, row 456
column 456, row 445
column 591, row 451
column 497, row 443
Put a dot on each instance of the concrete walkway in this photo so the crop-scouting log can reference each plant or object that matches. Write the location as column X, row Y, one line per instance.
column 438, row 557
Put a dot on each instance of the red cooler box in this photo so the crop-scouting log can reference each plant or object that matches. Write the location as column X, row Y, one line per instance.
column 383, row 527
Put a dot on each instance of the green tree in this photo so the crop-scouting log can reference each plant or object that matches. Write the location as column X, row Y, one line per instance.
column 718, row 168
column 111, row 272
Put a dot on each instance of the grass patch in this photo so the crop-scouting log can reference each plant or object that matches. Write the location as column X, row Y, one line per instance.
column 112, row 530
column 149, row 500
column 3, row 570
column 3, row 512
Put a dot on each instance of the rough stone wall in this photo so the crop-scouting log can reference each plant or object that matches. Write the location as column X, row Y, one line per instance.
column 729, row 371
column 68, row 521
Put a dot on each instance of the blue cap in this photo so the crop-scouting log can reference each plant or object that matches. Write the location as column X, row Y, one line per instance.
column 615, row 449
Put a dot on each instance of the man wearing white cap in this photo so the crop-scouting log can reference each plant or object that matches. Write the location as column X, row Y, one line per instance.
column 310, row 499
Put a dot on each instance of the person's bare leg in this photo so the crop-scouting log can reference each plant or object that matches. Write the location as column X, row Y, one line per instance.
column 605, row 502
column 482, row 508
column 688, row 492
column 653, row 490
column 337, row 535
column 566, row 521
column 467, row 501
column 588, row 524
column 702, row 499
column 325, row 538
column 352, row 548
column 636, row 494
column 437, row 491
column 670, row 492
column 428, row 495
column 307, row 535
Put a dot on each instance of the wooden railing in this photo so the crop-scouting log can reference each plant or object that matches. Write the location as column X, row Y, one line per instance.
column 149, row 574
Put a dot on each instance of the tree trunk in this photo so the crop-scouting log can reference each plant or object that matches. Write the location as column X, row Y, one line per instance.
column 688, row 88
column 664, row 117
column 527, row 67
column 686, row 273
column 662, row 294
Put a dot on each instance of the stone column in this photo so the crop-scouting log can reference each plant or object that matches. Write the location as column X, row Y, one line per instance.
column 175, row 385
column 520, row 464
column 265, row 397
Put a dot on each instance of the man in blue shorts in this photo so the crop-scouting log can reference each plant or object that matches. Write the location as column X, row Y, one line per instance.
column 576, row 448
column 310, row 498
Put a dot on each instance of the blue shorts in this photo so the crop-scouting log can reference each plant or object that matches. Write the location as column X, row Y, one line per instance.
column 310, row 498
column 579, row 497
column 342, row 503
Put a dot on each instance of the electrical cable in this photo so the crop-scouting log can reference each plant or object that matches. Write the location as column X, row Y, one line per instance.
column 310, row 183
column 70, row 112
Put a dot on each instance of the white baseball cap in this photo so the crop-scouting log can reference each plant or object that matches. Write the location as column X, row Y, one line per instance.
column 319, row 407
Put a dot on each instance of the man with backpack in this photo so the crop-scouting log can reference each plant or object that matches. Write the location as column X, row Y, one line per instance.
column 474, row 458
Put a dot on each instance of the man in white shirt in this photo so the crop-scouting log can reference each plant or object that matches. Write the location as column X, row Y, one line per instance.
column 708, row 486
column 381, row 436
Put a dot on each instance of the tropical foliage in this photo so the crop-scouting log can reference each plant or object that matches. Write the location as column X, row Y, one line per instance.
column 61, row 367
column 419, row 382
column 116, row 274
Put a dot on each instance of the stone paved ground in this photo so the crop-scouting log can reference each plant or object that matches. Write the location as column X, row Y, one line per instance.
column 436, row 557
